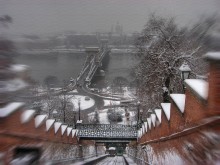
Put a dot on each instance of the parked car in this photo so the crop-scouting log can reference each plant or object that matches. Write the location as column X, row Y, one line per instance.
column 87, row 98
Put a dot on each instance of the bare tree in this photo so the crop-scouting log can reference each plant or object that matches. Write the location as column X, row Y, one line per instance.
column 5, row 20
column 51, row 104
column 119, row 82
column 162, row 48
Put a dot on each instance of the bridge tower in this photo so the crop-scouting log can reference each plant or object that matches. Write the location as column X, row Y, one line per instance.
column 92, row 53
column 104, row 44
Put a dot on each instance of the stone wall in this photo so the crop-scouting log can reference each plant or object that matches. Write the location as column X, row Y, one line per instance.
column 186, row 130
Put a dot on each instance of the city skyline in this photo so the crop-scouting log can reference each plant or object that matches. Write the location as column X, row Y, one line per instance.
column 51, row 16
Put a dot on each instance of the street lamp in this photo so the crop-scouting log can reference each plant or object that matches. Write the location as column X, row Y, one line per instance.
column 141, row 113
column 74, row 120
column 79, row 108
column 138, row 109
column 185, row 72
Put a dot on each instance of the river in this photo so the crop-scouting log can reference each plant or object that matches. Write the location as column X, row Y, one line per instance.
column 66, row 65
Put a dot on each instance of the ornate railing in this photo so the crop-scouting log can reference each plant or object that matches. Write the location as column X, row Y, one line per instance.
column 107, row 131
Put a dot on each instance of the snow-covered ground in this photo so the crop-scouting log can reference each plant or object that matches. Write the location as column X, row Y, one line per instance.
column 111, row 102
column 73, row 91
column 103, row 117
column 128, row 93
column 84, row 104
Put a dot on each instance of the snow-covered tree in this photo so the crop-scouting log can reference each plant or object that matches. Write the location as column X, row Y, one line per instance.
column 162, row 47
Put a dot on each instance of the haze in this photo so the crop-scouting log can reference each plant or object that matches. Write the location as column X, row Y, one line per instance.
column 49, row 16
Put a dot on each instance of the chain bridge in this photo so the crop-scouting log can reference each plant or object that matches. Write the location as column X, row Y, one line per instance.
column 93, row 61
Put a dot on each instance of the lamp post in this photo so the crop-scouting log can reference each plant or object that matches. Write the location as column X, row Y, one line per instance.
column 185, row 72
column 141, row 113
column 138, row 109
column 79, row 107
column 74, row 120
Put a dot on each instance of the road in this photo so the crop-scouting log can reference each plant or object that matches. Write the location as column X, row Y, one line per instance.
column 117, row 160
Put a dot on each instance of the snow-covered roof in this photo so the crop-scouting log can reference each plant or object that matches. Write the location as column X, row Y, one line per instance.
column 49, row 123
column 79, row 122
column 69, row 129
column 73, row 132
column 213, row 55
column 158, row 114
column 10, row 108
column 149, row 122
column 57, row 126
column 39, row 120
column 153, row 119
column 198, row 86
column 63, row 129
column 184, row 67
column 179, row 100
column 27, row 115
column 112, row 148
column 166, row 108
column 12, row 85
column 54, row 112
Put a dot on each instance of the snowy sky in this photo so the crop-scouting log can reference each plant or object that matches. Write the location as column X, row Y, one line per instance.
column 48, row 16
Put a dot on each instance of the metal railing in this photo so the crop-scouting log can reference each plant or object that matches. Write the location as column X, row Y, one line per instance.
column 74, row 159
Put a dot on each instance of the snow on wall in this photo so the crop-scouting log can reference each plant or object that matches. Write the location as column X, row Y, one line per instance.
column 166, row 108
column 149, row 122
column 179, row 100
column 169, row 157
column 158, row 114
column 63, row 129
column 139, row 133
column 49, row 123
column 213, row 55
column 145, row 124
column 143, row 129
column 39, row 120
column 153, row 119
column 27, row 115
column 10, row 108
column 57, row 126
column 73, row 132
column 18, row 68
column 198, row 86
column 69, row 129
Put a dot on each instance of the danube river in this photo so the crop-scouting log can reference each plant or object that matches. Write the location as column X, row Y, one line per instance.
column 66, row 65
